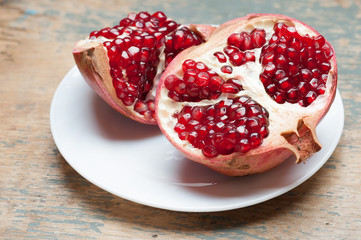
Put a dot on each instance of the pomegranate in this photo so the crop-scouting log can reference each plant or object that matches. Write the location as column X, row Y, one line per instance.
column 251, row 96
column 123, row 63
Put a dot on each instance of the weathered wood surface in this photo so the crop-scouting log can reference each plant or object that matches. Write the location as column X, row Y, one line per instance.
column 42, row 197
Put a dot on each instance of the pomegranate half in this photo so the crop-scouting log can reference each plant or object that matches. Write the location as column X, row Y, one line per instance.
column 251, row 96
column 123, row 64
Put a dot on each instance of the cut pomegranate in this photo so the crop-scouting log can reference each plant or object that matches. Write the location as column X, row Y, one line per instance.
column 251, row 96
column 123, row 63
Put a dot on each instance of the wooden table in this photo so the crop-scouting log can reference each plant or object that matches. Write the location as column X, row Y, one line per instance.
column 42, row 197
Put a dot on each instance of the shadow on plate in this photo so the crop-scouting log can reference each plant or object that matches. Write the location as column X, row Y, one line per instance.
column 198, row 178
column 113, row 125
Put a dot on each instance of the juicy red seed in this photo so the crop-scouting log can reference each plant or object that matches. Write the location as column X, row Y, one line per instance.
column 280, row 74
column 284, row 84
column 180, row 87
column 302, row 88
column 235, row 39
column 310, row 97
column 140, row 107
column 229, row 50
column 128, row 100
column 250, row 57
column 226, row 69
column 190, row 76
column 213, row 129
column 220, row 56
column 202, row 79
column 292, row 95
column 201, row 66
column 281, row 48
column 230, row 88
column 170, row 82
column 215, row 83
column 294, row 64
column 279, row 97
column 319, row 41
column 258, row 37
column 314, row 83
column 210, row 151
column 271, row 88
column 255, row 140
column 188, row 64
column 247, row 43
column 243, row 146
column 235, row 82
column 238, row 58
column 267, row 58
column 269, row 70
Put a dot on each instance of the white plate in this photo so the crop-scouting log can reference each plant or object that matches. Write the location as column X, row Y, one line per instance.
column 136, row 162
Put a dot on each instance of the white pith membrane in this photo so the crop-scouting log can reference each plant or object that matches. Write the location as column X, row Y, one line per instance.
column 283, row 118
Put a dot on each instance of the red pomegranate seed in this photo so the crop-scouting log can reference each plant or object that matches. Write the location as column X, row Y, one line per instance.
column 243, row 146
column 215, row 83
column 220, row 56
column 180, row 87
column 279, row 97
column 188, row 64
column 235, row 39
column 229, row 50
column 247, row 43
column 140, row 107
column 235, row 82
column 190, row 76
column 258, row 37
column 292, row 95
column 250, row 57
column 271, row 88
column 226, row 69
column 284, row 84
column 310, row 97
column 201, row 66
column 230, row 88
column 238, row 58
column 210, row 151
column 267, row 58
column 314, row 83
column 269, row 70
column 255, row 140
column 280, row 74
column 202, row 79
column 319, row 41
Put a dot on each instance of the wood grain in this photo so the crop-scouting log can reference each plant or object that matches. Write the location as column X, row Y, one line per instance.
column 42, row 197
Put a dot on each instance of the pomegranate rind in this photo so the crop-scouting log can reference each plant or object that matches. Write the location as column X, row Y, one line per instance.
column 299, row 140
column 93, row 63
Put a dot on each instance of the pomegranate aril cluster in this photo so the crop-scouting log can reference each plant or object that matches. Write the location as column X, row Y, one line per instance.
column 179, row 40
column 199, row 82
column 239, row 46
column 238, row 49
column 295, row 68
column 231, row 125
column 133, row 48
